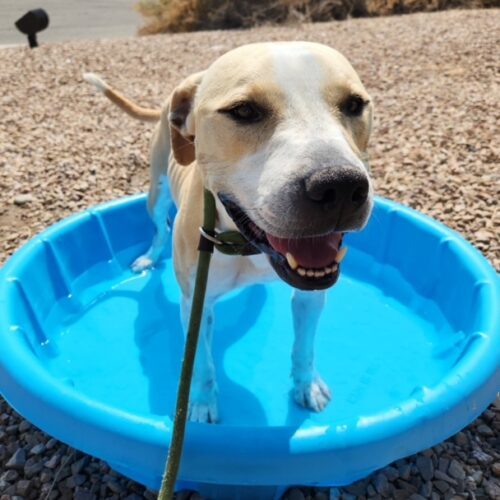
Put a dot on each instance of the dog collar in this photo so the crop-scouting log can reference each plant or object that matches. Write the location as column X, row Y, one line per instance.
column 227, row 242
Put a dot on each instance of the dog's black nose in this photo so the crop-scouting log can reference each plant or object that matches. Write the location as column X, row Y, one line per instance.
column 343, row 189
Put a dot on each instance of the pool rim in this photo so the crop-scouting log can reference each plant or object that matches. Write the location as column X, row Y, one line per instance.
column 27, row 381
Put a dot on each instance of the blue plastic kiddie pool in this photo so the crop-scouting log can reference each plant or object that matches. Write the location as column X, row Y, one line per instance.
column 409, row 343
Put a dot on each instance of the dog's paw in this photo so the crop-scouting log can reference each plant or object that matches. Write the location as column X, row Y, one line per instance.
column 312, row 394
column 203, row 413
column 142, row 263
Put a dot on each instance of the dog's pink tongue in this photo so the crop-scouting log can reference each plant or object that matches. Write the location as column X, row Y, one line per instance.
column 314, row 252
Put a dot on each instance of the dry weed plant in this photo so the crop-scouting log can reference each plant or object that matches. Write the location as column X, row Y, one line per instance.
column 193, row 15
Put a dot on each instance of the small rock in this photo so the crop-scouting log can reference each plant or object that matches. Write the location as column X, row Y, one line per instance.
column 416, row 481
column 150, row 495
column 444, row 477
column 53, row 462
column 460, row 486
column 63, row 473
column 488, row 415
column 24, row 426
column 115, row 486
column 404, row 471
column 23, row 199
column 441, row 485
column 426, row 489
column 38, row 449
column 46, row 476
column 321, row 495
column 492, row 489
column 32, row 466
column 461, row 439
column 358, row 488
column 456, row 471
column 381, row 484
column 196, row 496
column 77, row 467
column 10, row 491
column 81, row 494
column 401, row 494
column 187, row 494
column 51, row 443
column 11, row 429
column 17, row 460
column 438, row 449
column 425, row 467
column 23, row 486
column 133, row 496
column 334, row 494
column 482, row 457
column 416, row 496
column 75, row 480
column 443, row 464
column 485, row 430
column 404, row 485
column 347, row 496
column 483, row 236
column 9, row 476
column 47, row 491
column 495, row 469
column 294, row 494
column 391, row 473
column 477, row 476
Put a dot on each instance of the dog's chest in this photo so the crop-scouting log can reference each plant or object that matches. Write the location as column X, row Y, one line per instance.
column 230, row 272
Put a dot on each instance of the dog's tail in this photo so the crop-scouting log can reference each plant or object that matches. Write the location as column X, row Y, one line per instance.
column 131, row 108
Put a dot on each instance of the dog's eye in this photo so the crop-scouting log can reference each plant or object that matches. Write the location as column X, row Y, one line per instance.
column 353, row 106
column 246, row 112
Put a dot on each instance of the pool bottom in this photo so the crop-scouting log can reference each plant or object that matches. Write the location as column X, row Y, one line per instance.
column 374, row 351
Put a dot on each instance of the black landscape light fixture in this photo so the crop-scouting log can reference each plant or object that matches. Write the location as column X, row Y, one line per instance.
column 31, row 23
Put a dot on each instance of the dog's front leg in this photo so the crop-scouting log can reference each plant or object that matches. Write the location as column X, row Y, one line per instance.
column 309, row 389
column 203, row 396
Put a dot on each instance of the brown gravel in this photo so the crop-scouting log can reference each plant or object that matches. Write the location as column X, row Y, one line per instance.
column 63, row 148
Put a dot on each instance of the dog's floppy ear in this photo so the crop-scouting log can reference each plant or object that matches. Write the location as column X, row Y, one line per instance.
column 181, row 120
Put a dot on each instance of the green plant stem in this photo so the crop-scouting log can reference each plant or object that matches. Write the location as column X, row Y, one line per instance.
column 175, row 451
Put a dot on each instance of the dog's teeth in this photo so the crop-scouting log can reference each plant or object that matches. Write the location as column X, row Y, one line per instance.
column 291, row 261
column 316, row 273
column 340, row 255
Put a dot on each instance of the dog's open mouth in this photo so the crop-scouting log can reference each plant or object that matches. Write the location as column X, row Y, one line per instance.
column 309, row 263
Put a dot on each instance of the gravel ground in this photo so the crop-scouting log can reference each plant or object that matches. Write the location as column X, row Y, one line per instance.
column 434, row 78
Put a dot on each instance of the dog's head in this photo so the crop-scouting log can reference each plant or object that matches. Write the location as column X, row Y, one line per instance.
column 280, row 131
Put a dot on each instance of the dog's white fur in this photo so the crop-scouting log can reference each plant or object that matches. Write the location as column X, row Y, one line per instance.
column 196, row 146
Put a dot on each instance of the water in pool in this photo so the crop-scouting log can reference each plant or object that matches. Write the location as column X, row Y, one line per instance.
column 118, row 340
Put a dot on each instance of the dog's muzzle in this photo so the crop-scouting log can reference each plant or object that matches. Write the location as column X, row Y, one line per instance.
column 309, row 263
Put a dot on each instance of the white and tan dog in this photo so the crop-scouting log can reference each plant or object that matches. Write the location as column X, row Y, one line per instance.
column 278, row 133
